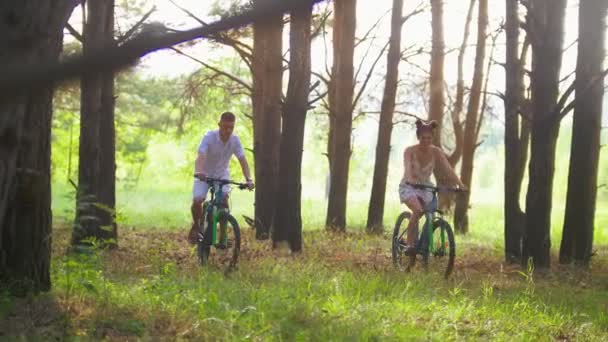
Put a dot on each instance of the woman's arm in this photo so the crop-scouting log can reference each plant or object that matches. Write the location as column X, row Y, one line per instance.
column 447, row 168
column 408, row 173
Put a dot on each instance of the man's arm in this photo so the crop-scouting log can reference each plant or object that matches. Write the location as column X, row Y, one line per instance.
column 245, row 168
column 198, row 164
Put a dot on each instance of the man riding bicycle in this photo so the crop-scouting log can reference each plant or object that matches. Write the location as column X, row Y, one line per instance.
column 214, row 153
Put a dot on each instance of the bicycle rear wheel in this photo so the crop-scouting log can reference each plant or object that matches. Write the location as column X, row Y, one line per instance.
column 400, row 260
column 444, row 253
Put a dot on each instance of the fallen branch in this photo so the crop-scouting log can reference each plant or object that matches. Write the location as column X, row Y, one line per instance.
column 24, row 75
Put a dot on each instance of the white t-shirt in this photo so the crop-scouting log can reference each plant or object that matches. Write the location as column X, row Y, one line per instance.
column 218, row 154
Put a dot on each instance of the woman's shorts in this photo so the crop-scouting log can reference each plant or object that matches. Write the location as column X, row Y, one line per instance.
column 407, row 192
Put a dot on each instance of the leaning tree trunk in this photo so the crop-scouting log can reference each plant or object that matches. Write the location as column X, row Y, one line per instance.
column 95, row 196
column 436, row 100
column 461, row 218
column 288, row 218
column 267, row 66
column 577, row 239
column 383, row 146
column 546, row 21
column 25, row 139
column 341, row 108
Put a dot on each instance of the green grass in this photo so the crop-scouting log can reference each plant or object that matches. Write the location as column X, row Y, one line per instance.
column 343, row 287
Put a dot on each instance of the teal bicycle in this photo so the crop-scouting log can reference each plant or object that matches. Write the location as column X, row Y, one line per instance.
column 216, row 212
column 435, row 239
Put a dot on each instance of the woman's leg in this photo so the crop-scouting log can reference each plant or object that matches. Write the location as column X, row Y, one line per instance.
column 417, row 211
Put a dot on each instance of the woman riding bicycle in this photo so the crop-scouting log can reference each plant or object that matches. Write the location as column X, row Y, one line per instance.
column 419, row 162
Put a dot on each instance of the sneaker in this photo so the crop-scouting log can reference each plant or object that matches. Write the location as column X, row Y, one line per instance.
column 193, row 235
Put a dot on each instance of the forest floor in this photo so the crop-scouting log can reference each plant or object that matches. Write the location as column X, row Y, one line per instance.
column 341, row 287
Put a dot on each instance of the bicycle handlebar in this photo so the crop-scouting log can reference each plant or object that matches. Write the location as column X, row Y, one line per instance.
column 219, row 181
column 434, row 188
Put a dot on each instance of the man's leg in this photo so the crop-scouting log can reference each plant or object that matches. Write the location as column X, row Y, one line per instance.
column 199, row 192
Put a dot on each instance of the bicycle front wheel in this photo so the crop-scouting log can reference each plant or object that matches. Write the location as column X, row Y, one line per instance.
column 400, row 260
column 444, row 247
column 227, row 247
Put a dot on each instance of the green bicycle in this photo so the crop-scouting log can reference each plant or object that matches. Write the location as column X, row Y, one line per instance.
column 215, row 211
column 436, row 237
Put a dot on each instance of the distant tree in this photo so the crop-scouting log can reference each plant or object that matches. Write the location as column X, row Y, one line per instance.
column 545, row 27
column 341, row 93
column 461, row 219
column 288, row 218
column 577, row 239
column 383, row 146
column 32, row 33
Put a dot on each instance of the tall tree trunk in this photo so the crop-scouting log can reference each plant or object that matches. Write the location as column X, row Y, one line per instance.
column 546, row 21
column 461, row 218
column 577, row 239
column 513, row 212
column 516, row 134
column 459, row 100
column 267, row 66
column 32, row 33
column 446, row 200
column 288, row 218
column 97, row 165
column 342, row 83
column 383, row 146
column 436, row 99
column 107, row 142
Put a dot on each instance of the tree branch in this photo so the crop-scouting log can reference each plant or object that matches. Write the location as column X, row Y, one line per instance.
column 244, row 50
column 369, row 76
column 22, row 75
column 135, row 27
column 216, row 70
column 562, row 110
column 421, row 8
column 73, row 32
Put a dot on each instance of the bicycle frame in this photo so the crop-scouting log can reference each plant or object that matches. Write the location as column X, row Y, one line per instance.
column 214, row 208
column 429, row 214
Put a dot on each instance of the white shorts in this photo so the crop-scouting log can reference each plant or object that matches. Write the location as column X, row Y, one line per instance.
column 407, row 192
column 200, row 189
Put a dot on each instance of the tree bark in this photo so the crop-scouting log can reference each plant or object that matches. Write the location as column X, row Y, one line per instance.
column 436, row 99
column 383, row 146
column 461, row 218
column 288, row 218
column 516, row 135
column 32, row 33
column 267, row 65
column 96, row 168
column 577, row 238
column 546, row 28
column 341, row 111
